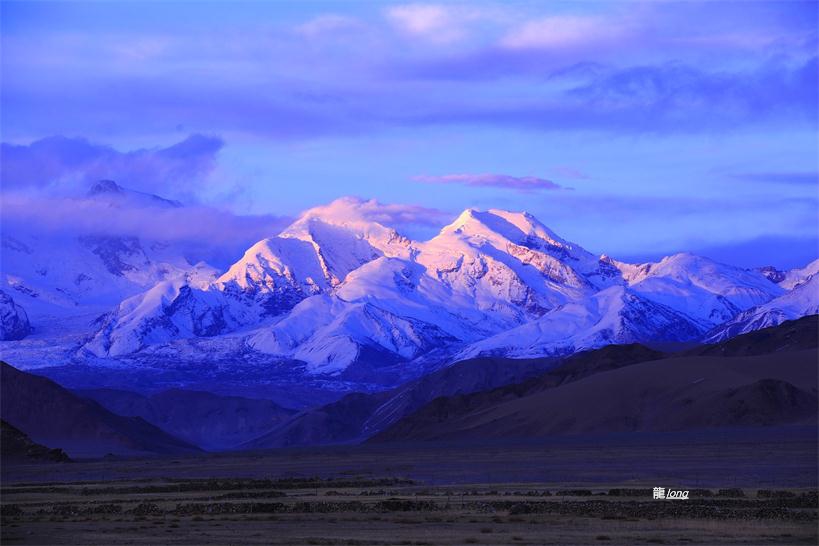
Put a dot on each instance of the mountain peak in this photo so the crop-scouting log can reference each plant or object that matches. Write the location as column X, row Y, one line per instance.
column 343, row 218
column 104, row 186
column 344, row 211
column 112, row 193
column 520, row 228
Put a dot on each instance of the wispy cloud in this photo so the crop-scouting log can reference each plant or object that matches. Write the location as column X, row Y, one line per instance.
column 667, row 98
column 75, row 162
column 389, row 214
column 531, row 66
column 328, row 23
column 421, row 19
column 213, row 234
column 517, row 183
column 438, row 23
column 797, row 178
column 562, row 31
column 567, row 171
column 394, row 214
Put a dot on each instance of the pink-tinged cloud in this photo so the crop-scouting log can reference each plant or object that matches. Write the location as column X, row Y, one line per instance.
column 565, row 31
column 437, row 23
column 425, row 20
column 517, row 183
column 394, row 215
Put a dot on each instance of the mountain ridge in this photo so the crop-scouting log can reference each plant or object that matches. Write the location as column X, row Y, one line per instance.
column 762, row 378
column 338, row 295
column 53, row 416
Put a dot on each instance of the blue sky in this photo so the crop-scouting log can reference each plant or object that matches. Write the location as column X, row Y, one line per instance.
column 636, row 129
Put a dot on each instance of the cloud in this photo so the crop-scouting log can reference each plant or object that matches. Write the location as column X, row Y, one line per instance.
column 42, row 180
column 766, row 87
column 565, row 31
column 389, row 214
column 567, row 171
column 517, row 183
column 424, row 20
column 796, row 178
column 60, row 162
column 326, row 24
column 521, row 66
column 212, row 234
column 665, row 98
column 435, row 22
column 395, row 214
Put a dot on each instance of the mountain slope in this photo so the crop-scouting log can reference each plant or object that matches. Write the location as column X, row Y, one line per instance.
column 800, row 275
column 71, row 272
column 208, row 420
column 330, row 334
column 612, row 316
column 801, row 301
column 791, row 335
column 704, row 290
column 358, row 416
column 14, row 322
column 16, row 446
column 55, row 417
column 336, row 423
column 311, row 256
column 674, row 393
column 169, row 310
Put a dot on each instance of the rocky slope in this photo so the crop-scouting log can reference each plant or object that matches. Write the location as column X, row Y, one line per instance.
column 17, row 447
column 57, row 418
column 359, row 416
column 802, row 301
column 14, row 322
column 772, row 385
column 208, row 420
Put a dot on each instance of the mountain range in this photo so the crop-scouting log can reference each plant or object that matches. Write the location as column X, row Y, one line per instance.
column 765, row 378
column 340, row 299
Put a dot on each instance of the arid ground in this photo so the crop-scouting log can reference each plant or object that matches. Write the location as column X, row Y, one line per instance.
column 745, row 487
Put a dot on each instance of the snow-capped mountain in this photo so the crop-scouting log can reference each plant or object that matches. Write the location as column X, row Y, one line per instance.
column 615, row 315
column 336, row 288
column 111, row 193
column 803, row 300
column 172, row 309
column 330, row 334
column 791, row 278
column 359, row 284
column 311, row 256
column 801, row 275
column 13, row 319
column 702, row 289
column 338, row 293
column 66, row 273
